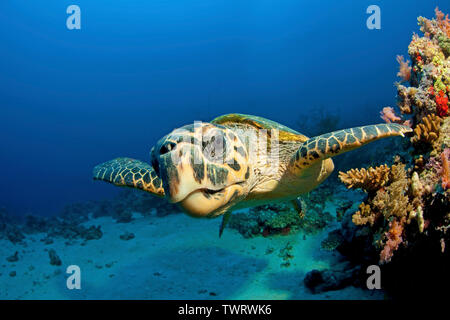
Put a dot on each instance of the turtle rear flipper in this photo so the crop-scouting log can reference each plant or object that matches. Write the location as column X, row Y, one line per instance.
column 334, row 143
column 131, row 173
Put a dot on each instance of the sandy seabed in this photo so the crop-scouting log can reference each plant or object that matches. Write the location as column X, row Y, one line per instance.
column 171, row 257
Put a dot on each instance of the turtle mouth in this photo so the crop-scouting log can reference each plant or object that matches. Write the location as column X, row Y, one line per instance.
column 205, row 202
column 207, row 193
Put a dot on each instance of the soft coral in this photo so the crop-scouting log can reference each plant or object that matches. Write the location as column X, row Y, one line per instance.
column 443, row 21
column 394, row 239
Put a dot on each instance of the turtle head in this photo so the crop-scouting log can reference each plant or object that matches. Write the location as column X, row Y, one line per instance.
column 204, row 167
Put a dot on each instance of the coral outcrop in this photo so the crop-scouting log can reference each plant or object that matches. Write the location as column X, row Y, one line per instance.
column 70, row 222
column 404, row 218
column 282, row 218
column 337, row 278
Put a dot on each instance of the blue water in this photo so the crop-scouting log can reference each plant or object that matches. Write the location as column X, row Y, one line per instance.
column 70, row 99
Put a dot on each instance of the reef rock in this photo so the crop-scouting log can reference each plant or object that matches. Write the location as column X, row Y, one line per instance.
column 54, row 258
column 335, row 279
column 127, row 236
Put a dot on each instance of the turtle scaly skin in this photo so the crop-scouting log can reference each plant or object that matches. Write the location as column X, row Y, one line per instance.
column 337, row 142
column 131, row 173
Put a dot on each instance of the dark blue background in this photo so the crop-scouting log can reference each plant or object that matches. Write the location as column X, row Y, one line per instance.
column 139, row 68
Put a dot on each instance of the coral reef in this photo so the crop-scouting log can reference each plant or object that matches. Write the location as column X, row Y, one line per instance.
column 69, row 223
column 333, row 240
column 282, row 218
column 14, row 234
column 266, row 220
column 404, row 218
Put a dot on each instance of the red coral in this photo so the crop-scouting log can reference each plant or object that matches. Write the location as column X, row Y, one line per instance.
column 442, row 104
column 418, row 57
column 394, row 236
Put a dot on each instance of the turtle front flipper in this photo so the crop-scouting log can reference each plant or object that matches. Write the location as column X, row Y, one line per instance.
column 126, row 172
column 334, row 143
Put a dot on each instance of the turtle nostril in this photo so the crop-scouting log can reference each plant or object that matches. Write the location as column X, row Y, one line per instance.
column 167, row 147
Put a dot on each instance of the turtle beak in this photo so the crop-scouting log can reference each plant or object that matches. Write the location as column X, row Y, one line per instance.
column 180, row 178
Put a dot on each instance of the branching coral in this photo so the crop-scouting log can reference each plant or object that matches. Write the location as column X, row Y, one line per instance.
column 370, row 179
column 365, row 215
column 391, row 198
column 428, row 131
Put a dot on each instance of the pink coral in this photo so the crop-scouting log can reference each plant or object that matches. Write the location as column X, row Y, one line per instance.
column 445, row 170
column 443, row 21
column 388, row 115
column 394, row 236
column 405, row 69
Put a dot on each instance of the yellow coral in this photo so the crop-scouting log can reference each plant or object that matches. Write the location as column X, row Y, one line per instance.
column 391, row 198
column 393, row 201
column 428, row 131
column 405, row 95
column 416, row 185
column 370, row 179
column 418, row 216
column 364, row 215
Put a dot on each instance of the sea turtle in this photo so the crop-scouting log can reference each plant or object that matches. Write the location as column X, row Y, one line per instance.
column 237, row 161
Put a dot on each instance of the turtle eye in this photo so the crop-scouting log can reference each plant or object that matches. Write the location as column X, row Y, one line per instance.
column 167, row 147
